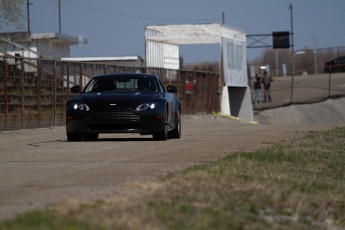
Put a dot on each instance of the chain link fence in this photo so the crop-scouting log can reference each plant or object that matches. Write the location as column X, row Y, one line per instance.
column 301, row 89
column 301, row 78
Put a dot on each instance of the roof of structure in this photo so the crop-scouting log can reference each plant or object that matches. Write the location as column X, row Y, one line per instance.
column 85, row 59
column 63, row 37
column 193, row 33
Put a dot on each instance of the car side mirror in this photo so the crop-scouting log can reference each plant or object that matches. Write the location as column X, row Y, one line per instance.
column 76, row 89
column 171, row 89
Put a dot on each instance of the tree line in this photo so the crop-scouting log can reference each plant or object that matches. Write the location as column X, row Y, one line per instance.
column 306, row 61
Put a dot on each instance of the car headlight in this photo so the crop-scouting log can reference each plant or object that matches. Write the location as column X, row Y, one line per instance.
column 81, row 107
column 146, row 106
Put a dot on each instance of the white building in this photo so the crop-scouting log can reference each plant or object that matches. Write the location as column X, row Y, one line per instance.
column 45, row 45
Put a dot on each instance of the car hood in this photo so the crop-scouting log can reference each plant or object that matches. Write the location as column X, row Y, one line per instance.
column 119, row 99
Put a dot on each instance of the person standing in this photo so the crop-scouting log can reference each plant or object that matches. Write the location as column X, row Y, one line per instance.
column 266, row 80
column 257, row 88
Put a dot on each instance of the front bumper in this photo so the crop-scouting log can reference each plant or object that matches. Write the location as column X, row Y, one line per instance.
column 134, row 123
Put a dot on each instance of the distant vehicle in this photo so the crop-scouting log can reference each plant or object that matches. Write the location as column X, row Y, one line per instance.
column 123, row 103
column 335, row 66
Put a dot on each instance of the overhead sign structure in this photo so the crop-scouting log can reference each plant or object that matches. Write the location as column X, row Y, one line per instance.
column 281, row 40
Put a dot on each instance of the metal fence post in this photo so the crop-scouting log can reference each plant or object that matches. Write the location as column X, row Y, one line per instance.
column 104, row 69
column 38, row 92
column 68, row 79
column 329, row 82
column 292, row 85
column 54, row 94
column 22, row 91
column 5, row 92
column 81, row 76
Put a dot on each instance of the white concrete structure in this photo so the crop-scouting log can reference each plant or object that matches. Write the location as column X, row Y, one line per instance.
column 162, row 50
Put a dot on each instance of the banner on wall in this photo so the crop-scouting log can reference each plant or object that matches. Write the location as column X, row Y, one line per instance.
column 234, row 62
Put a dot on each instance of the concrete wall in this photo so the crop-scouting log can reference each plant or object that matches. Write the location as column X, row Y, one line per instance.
column 236, row 101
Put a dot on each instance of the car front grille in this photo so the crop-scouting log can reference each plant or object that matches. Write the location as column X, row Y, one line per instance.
column 114, row 114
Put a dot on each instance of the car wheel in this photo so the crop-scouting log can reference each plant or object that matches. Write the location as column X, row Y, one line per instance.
column 73, row 137
column 176, row 132
column 91, row 137
column 163, row 136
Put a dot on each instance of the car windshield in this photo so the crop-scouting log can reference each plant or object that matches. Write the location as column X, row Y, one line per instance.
column 122, row 83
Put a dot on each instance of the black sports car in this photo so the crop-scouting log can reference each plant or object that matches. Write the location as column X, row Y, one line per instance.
column 123, row 103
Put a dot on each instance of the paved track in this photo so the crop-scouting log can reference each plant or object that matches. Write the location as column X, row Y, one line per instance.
column 39, row 167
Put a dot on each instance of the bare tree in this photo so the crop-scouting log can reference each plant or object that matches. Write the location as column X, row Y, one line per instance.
column 203, row 66
column 11, row 11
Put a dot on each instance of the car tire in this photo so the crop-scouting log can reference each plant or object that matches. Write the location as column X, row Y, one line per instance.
column 176, row 132
column 74, row 137
column 163, row 135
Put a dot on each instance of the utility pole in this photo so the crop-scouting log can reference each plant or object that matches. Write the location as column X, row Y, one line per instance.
column 315, row 55
column 59, row 16
column 28, row 14
column 277, row 63
column 223, row 18
column 292, row 53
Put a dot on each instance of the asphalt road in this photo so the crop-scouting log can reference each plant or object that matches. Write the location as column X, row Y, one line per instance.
column 39, row 167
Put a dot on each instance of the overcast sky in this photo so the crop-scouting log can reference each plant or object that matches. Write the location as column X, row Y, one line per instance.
column 116, row 27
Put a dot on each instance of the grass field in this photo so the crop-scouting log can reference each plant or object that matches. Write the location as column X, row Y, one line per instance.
column 294, row 184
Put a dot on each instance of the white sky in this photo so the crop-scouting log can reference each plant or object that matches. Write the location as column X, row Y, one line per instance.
column 116, row 27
